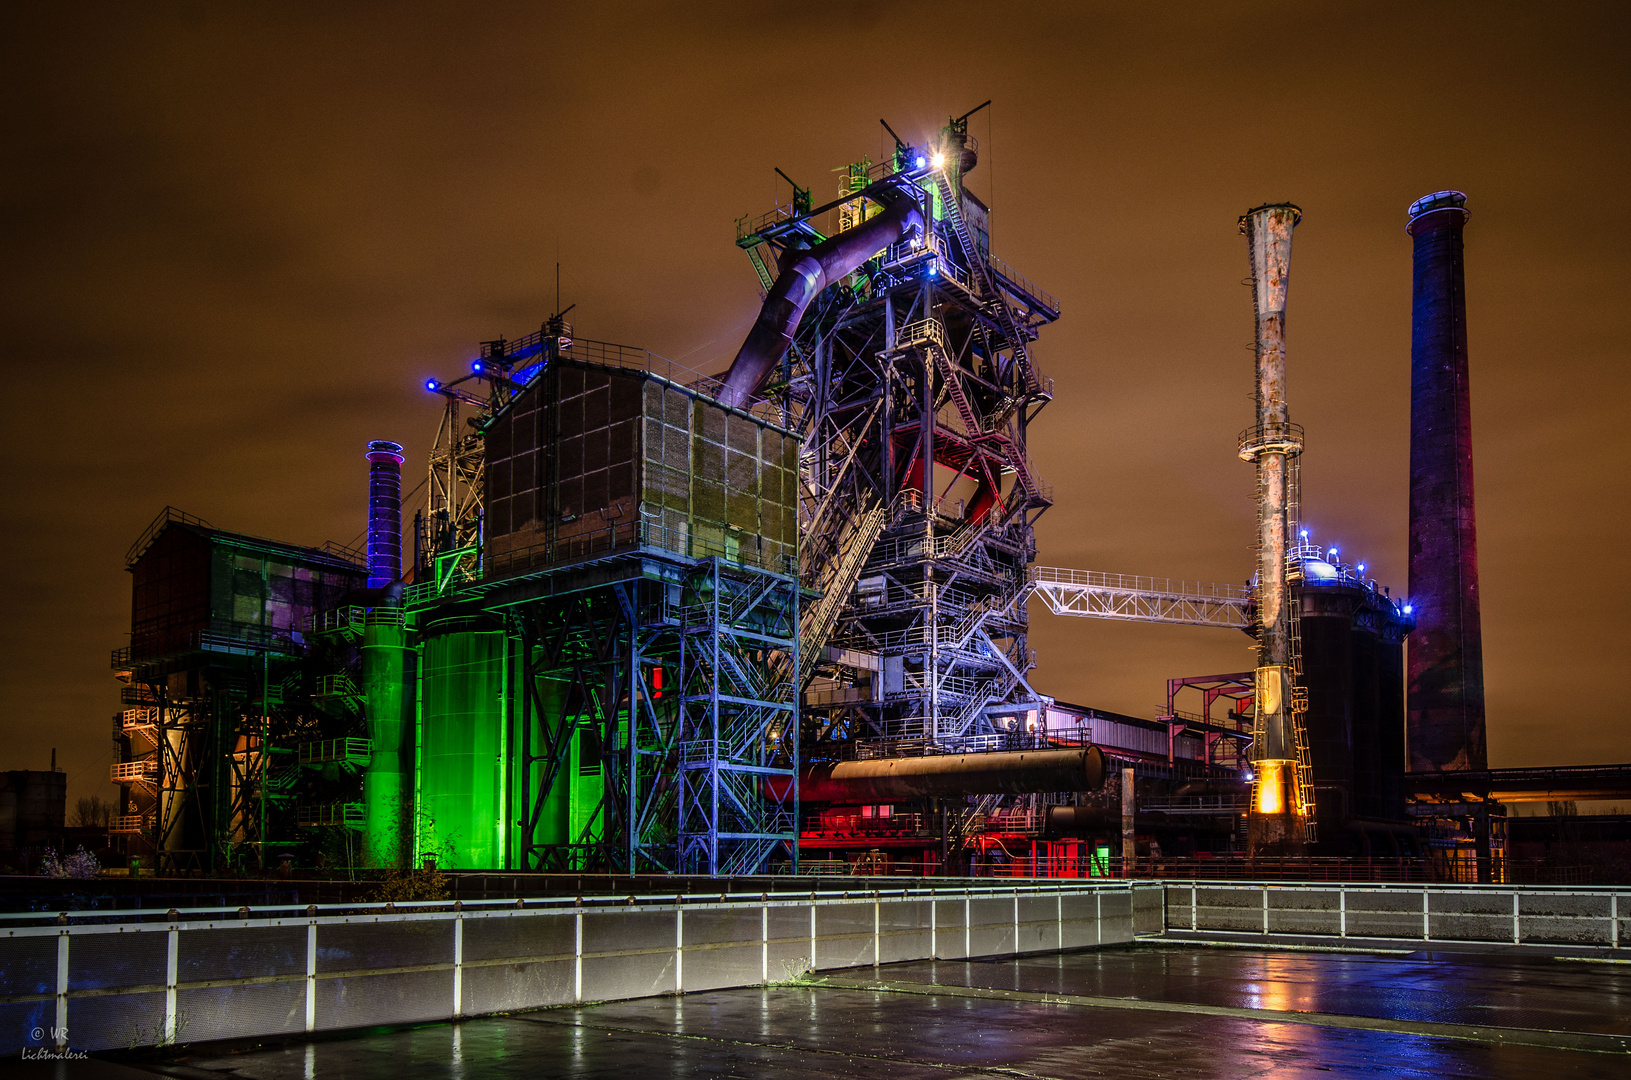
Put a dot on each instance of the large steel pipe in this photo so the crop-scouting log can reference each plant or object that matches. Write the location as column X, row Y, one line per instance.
column 804, row 274
column 888, row 780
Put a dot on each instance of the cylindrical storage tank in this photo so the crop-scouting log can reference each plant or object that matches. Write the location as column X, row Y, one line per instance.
column 463, row 749
column 1353, row 668
column 387, row 671
column 1328, row 675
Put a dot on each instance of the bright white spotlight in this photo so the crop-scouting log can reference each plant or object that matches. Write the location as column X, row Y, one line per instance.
column 939, row 159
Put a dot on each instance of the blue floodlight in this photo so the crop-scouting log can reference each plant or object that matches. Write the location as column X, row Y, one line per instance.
column 1305, row 534
column 1361, row 568
column 934, row 270
column 475, row 366
column 1407, row 609
column 1333, row 552
column 921, row 161
column 432, row 385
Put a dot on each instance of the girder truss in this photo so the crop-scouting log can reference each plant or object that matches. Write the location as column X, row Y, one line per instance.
column 1130, row 598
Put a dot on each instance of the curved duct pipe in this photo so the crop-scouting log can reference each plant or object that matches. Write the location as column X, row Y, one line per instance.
column 883, row 780
column 803, row 276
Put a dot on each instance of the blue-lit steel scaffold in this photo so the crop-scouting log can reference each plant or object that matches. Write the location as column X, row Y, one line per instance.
column 740, row 718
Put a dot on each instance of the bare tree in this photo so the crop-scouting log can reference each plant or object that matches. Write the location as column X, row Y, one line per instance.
column 91, row 812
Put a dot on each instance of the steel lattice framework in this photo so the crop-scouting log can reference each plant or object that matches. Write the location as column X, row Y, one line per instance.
column 912, row 385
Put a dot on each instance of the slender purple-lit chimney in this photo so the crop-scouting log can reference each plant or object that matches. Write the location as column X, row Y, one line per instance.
column 384, row 513
column 1445, row 725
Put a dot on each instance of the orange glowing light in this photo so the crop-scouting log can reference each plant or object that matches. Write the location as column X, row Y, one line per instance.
column 1273, row 788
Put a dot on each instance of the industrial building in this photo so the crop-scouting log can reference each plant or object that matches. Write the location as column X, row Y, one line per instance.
column 660, row 621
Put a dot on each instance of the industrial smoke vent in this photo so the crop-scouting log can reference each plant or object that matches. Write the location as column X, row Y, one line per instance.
column 1280, row 812
column 384, row 513
column 1446, row 703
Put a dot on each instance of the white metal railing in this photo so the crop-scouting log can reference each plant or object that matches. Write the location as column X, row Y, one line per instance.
column 127, row 771
column 1470, row 914
column 1135, row 598
column 134, row 719
column 382, row 954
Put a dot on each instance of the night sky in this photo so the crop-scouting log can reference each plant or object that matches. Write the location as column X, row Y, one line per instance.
column 238, row 237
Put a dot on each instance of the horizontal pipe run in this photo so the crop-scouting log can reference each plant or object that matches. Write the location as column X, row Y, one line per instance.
column 1018, row 772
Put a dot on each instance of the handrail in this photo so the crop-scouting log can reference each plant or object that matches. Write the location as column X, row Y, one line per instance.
column 1093, row 579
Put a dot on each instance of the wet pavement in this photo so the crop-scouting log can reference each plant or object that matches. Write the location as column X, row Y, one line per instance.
column 1141, row 1011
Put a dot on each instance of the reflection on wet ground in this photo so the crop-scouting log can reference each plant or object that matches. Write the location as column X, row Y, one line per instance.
column 1140, row 1011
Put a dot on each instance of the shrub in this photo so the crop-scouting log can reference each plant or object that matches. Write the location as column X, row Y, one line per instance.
column 81, row 864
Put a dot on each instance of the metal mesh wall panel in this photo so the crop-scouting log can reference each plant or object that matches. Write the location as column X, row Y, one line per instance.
column 643, row 974
column 506, row 987
column 1303, row 912
column 28, row 966
column 240, row 953
column 1396, row 915
column 384, row 945
column 231, row 1012
column 723, row 948
column 1081, row 921
column 116, row 1021
column 903, row 931
column 844, row 935
column 400, row 998
column 613, row 931
column 791, row 954
column 991, row 927
column 99, row 961
column 1038, row 924
column 1229, row 909
column 1116, row 916
column 951, row 923
column 518, row 936
column 1149, row 912
column 20, row 1020
column 1562, row 919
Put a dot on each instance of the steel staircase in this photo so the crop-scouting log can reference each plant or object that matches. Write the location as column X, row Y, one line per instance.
column 836, row 583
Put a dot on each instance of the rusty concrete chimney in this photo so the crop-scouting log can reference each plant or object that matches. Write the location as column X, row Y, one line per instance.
column 1277, row 822
column 1445, row 719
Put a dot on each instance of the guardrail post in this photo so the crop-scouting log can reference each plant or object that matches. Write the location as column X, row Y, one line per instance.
column 1614, row 918
column 968, row 934
column 1194, row 908
column 679, row 946
column 577, row 954
column 1265, row 911
column 764, row 936
column 1342, row 911
column 62, row 990
column 1517, row 931
column 311, row 975
column 171, row 952
column 934, row 926
column 1426, row 929
column 458, row 964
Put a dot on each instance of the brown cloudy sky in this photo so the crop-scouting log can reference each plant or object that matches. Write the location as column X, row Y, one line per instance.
column 237, row 236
